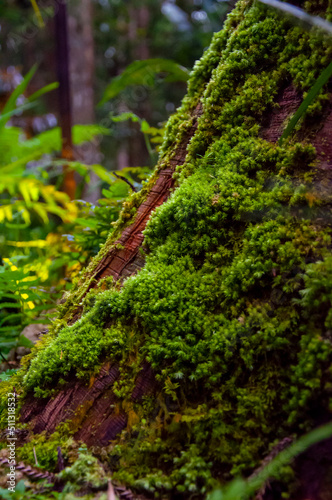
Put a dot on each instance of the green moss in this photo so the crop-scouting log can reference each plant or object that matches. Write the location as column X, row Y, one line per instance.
column 7, row 389
column 78, row 348
column 46, row 448
column 85, row 470
column 233, row 306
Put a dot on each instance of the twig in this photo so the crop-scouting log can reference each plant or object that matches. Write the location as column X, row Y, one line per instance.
column 35, row 455
column 61, row 464
column 110, row 491
column 125, row 180
column 3, row 357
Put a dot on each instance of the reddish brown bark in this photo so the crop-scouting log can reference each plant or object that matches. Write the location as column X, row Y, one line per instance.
column 93, row 406
column 287, row 103
column 124, row 258
column 99, row 421
column 94, row 409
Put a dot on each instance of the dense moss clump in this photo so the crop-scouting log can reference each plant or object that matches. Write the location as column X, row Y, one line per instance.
column 233, row 306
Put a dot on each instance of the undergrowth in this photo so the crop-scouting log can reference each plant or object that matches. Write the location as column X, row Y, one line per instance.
column 233, row 306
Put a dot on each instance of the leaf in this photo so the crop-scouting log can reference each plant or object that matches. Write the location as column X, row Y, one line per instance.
column 145, row 127
column 128, row 115
column 42, row 91
column 37, row 13
column 10, row 317
column 10, row 305
column 85, row 133
column 92, row 223
column 315, row 89
column 4, row 117
column 4, row 376
column 24, row 342
column 40, row 210
column 102, row 173
column 28, row 244
column 143, row 73
column 240, row 489
column 13, row 168
column 11, row 103
column 118, row 190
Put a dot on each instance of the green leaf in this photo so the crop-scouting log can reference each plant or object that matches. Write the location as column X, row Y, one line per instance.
column 24, row 342
column 10, row 317
column 42, row 91
column 5, row 494
column 92, row 223
column 86, row 133
column 143, row 73
column 145, row 127
column 20, row 487
column 241, row 489
column 128, row 115
column 315, row 89
column 118, row 190
column 4, row 117
column 103, row 174
column 10, row 305
column 4, row 376
column 11, row 103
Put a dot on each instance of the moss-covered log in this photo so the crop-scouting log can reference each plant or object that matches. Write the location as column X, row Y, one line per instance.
column 201, row 335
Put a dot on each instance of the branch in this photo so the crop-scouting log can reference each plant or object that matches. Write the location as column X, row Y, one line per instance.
column 125, row 180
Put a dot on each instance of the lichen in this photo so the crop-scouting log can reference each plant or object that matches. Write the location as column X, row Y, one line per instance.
column 233, row 306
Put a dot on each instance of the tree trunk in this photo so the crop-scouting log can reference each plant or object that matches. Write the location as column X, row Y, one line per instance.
column 201, row 334
column 82, row 70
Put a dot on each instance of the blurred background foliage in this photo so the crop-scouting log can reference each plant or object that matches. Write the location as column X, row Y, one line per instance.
column 128, row 66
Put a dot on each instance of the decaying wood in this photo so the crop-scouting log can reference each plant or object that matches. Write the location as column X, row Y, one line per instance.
column 61, row 463
column 95, row 409
column 36, row 474
column 124, row 258
column 30, row 472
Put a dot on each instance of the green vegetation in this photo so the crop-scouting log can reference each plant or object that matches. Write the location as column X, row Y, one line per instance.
column 233, row 306
column 144, row 73
column 42, row 244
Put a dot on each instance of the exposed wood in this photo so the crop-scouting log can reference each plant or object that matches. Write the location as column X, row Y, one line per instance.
column 124, row 258
column 95, row 408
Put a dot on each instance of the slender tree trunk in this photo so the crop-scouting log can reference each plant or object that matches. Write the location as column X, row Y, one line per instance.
column 82, row 71
column 65, row 105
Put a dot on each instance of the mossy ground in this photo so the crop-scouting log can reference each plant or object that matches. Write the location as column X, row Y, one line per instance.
column 233, row 306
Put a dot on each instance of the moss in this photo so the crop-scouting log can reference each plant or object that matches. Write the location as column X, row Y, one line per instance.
column 46, row 448
column 85, row 470
column 7, row 389
column 77, row 348
column 233, row 306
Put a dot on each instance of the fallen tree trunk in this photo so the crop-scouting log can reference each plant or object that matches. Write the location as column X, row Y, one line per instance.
column 201, row 334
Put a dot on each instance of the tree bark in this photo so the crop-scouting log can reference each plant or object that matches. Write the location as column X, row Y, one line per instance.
column 82, row 71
